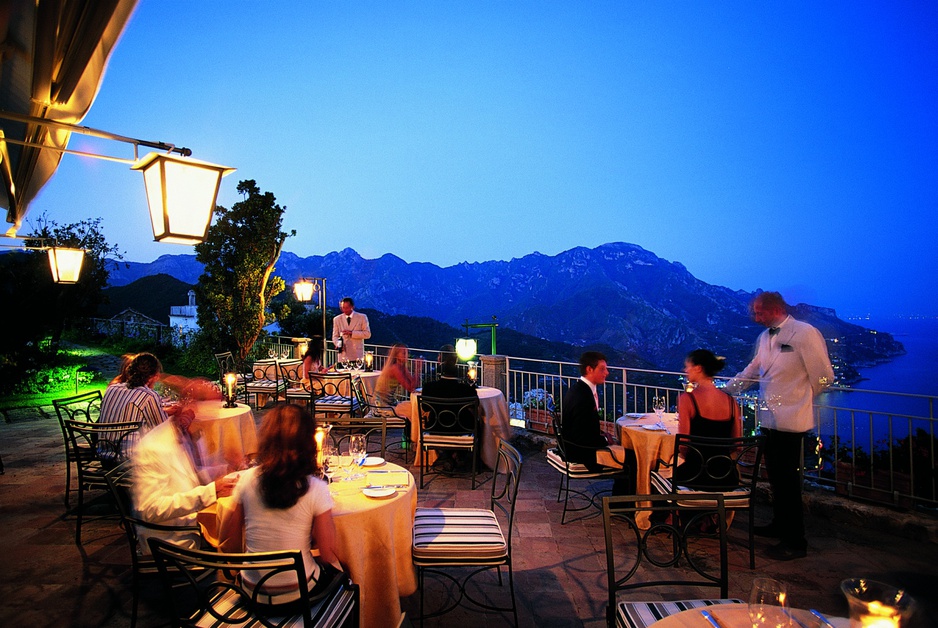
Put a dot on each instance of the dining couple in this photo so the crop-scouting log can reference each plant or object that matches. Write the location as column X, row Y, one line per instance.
column 791, row 366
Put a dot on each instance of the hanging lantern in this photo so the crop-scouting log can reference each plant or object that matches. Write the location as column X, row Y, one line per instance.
column 466, row 348
column 303, row 290
column 65, row 264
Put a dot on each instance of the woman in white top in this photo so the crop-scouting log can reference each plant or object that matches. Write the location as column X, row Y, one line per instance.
column 286, row 506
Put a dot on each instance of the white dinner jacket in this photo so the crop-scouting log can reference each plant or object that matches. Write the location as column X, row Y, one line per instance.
column 792, row 369
column 354, row 346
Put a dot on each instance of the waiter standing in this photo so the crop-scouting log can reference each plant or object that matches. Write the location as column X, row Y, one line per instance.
column 792, row 367
column 350, row 330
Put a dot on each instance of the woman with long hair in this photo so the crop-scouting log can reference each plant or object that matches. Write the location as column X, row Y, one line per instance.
column 312, row 359
column 285, row 504
column 395, row 377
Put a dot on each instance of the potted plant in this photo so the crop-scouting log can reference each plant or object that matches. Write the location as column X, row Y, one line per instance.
column 538, row 407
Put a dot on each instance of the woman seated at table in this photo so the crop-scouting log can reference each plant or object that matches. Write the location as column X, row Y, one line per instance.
column 709, row 412
column 395, row 378
column 286, row 506
column 312, row 359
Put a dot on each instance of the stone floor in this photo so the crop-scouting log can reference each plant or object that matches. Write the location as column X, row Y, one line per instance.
column 559, row 569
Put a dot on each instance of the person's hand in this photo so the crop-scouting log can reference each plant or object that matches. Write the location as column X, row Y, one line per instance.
column 224, row 486
column 347, row 333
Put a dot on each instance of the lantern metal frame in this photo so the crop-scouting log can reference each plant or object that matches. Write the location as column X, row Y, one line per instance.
column 60, row 274
column 317, row 287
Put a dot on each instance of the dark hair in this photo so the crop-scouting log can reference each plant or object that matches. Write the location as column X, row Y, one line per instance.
column 121, row 376
column 590, row 359
column 286, row 455
column 770, row 300
column 705, row 359
column 448, row 360
column 141, row 369
column 347, row 300
column 314, row 349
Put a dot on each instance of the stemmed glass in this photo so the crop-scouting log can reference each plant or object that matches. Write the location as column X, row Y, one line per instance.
column 330, row 461
column 359, row 363
column 659, row 404
column 768, row 604
column 358, row 450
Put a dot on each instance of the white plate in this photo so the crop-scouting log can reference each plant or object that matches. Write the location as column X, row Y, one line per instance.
column 373, row 461
column 634, row 415
column 653, row 428
column 378, row 492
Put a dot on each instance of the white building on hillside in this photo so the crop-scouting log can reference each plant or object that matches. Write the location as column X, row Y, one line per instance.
column 184, row 318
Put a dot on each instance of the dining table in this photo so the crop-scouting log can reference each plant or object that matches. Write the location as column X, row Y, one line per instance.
column 226, row 435
column 737, row 616
column 374, row 521
column 496, row 424
column 651, row 439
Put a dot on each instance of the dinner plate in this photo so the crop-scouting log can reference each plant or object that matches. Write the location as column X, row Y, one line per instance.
column 634, row 415
column 378, row 492
column 373, row 461
column 653, row 428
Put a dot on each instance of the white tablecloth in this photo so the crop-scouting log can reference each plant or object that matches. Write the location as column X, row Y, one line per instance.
column 227, row 435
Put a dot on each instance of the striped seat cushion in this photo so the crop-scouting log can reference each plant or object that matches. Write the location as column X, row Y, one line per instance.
column 231, row 604
column 297, row 393
column 457, row 533
column 577, row 470
column 737, row 498
column 643, row 614
column 264, row 385
column 336, row 402
column 447, row 440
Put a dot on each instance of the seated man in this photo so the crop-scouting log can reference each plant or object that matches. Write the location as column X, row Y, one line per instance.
column 448, row 386
column 580, row 424
column 167, row 487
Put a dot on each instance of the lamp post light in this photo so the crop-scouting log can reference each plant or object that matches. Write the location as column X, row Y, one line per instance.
column 304, row 289
column 491, row 326
column 65, row 264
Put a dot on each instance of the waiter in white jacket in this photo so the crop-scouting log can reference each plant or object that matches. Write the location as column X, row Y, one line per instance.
column 350, row 330
column 792, row 367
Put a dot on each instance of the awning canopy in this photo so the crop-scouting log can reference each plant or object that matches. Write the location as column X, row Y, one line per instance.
column 53, row 54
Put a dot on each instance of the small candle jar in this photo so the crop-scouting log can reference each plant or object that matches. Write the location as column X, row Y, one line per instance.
column 876, row 604
column 231, row 388
column 369, row 360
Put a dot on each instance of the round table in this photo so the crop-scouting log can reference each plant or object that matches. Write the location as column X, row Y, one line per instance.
column 227, row 435
column 373, row 540
column 737, row 616
column 649, row 445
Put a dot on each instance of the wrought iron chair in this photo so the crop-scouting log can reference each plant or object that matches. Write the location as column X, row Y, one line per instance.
column 107, row 440
column 332, row 396
column 471, row 537
column 570, row 471
column 120, row 482
column 376, row 414
column 637, row 558
column 266, row 382
column 84, row 407
column 448, row 424
column 223, row 597
column 729, row 466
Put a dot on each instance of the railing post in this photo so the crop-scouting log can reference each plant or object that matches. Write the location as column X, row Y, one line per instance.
column 495, row 372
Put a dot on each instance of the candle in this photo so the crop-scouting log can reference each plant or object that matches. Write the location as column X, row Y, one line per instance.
column 369, row 359
column 880, row 616
column 320, row 436
column 231, row 381
column 472, row 373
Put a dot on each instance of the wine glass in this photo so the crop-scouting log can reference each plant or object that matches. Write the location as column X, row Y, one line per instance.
column 330, row 458
column 358, row 449
column 659, row 404
column 359, row 363
column 768, row 604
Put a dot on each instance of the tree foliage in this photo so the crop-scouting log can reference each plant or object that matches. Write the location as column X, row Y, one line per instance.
column 239, row 255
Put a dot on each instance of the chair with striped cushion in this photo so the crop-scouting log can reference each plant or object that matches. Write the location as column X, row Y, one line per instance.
column 208, row 588
column 333, row 397
column 673, row 546
column 84, row 407
column 449, row 423
column 471, row 537
column 729, row 466
column 266, row 382
column 570, row 471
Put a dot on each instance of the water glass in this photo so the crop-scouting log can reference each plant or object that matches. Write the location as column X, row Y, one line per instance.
column 330, row 461
column 768, row 604
column 358, row 449
column 659, row 404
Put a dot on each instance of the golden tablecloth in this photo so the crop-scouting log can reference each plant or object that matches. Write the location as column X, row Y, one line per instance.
column 227, row 434
column 737, row 616
column 495, row 424
column 373, row 540
column 649, row 446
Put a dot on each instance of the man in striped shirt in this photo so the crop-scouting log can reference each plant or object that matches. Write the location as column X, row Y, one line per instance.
column 133, row 399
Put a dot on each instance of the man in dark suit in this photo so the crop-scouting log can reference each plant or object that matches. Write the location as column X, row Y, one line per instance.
column 580, row 423
column 448, row 386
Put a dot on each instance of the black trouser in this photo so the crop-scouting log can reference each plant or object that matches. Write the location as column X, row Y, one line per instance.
column 783, row 463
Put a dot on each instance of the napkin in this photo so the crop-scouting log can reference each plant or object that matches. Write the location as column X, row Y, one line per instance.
column 378, row 479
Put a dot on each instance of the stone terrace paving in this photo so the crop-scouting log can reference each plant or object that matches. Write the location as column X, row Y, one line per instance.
column 560, row 574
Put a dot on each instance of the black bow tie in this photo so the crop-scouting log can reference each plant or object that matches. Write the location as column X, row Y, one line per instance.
column 348, row 320
column 774, row 330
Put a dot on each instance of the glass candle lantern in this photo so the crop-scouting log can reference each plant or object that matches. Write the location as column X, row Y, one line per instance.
column 876, row 604
column 231, row 388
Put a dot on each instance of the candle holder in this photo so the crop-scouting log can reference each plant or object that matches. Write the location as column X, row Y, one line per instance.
column 231, row 390
column 369, row 361
column 876, row 604
column 472, row 374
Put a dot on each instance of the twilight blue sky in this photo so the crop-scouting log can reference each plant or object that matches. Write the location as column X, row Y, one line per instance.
column 775, row 145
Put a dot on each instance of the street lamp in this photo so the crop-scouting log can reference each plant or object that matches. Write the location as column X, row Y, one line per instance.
column 304, row 289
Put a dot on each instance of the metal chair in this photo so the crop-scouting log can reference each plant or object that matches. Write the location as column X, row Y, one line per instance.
column 570, row 471
column 729, row 466
column 266, row 381
column 378, row 415
column 106, row 440
column 84, row 407
column 448, row 424
column 637, row 558
column 223, row 597
column 471, row 537
column 120, row 484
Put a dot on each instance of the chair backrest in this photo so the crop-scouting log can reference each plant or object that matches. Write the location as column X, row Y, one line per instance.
column 561, row 448
column 225, row 599
column 458, row 415
column 675, row 547
column 84, row 407
column 505, row 484
column 267, row 371
column 716, row 464
column 292, row 374
column 109, row 440
column 226, row 364
column 331, row 385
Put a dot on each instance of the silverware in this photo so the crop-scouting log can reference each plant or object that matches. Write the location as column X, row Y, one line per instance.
column 792, row 617
column 710, row 618
column 387, row 486
column 823, row 619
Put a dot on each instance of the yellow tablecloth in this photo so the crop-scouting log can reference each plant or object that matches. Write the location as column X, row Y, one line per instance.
column 373, row 540
column 227, row 434
column 495, row 424
column 737, row 616
column 649, row 446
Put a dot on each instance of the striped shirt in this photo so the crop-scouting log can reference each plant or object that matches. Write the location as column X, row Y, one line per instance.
column 142, row 404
